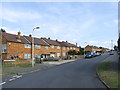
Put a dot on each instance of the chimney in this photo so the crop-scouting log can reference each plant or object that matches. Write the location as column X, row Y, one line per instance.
column 49, row 38
column 19, row 35
column 66, row 41
column 56, row 40
column 30, row 35
column 76, row 44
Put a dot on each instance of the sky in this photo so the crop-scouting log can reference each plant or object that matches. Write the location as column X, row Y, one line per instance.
column 93, row 23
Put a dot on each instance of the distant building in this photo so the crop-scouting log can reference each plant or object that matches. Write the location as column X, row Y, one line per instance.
column 96, row 49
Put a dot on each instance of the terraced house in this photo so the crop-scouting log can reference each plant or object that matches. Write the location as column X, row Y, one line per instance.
column 20, row 47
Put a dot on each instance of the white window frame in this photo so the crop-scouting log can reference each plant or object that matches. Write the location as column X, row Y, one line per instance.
column 64, row 48
column 46, row 47
column 38, row 46
column 27, row 56
column 64, row 54
column 58, row 54
column 4, row 48
column 27, row 46
column 52, row 46
column 58, row 47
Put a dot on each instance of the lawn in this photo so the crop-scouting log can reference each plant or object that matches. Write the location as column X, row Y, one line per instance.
column 107, row 74
column 9, row 66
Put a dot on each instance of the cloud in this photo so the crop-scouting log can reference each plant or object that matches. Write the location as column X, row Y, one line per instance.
column 106, row 44
column 16, row 16
column 109, row 23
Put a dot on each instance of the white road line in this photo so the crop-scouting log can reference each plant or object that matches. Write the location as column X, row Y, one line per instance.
column 19, row 76
column 2, row 83
column 12, row 79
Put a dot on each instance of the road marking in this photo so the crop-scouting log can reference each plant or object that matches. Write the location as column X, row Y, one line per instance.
column 17, row 76
column 2, row 83
column 12, row 79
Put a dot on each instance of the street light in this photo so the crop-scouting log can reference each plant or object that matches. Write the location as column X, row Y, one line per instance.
column 111, row 45
column 1, row 44
column 84, row 48
column 33, row 45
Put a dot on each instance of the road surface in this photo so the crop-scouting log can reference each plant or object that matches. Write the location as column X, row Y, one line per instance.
column 78, row 74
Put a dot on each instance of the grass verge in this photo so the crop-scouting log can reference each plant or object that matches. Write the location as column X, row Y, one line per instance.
column 17, row 66
column 4, row 74
column 107, row 74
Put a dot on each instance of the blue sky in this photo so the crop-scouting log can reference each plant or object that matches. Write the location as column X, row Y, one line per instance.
column 93, row 22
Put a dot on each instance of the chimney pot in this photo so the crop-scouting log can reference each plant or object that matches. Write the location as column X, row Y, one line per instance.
column 19, row 35
column 30, row 35
column 49, row 38
column 76, row 44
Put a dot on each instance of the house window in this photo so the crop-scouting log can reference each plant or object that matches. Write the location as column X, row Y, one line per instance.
column 52, row 46
column 63, row 54
column 27, row 46
column 4, row 48
column 58, row 54
column 58, row 47
column 37, row 46
column 70, row 47
column 27, row 56
column 63, row 48
column 46, row 47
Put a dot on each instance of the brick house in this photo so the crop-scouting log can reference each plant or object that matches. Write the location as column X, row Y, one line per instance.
column 92, row 48
column 19, row 46
column 65, row 47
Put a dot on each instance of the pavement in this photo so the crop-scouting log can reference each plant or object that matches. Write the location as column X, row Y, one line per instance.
column 78, row 74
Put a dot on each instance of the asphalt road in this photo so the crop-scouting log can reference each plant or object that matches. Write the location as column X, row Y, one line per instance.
column 78, row 74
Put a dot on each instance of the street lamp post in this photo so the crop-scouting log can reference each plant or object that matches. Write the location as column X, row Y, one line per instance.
column 84, row 48
column 111, row 45
column 33, row 45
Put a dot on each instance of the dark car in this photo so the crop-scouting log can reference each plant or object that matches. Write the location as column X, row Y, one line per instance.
column 89, row 55
column 118, row 52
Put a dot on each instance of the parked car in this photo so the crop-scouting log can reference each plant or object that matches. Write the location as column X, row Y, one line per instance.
column 111, row 53
column 118, row 52
column 98, row 54
column 94, row 54
column 89, row 55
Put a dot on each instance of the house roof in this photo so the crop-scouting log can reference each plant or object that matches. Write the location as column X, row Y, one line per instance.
column 13, row 38
column 40, row 41
column 66, row 44
column 51, row 42
column 23, row 39
column 36, row 40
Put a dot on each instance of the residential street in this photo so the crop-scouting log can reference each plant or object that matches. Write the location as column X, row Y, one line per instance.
column 78, row 74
